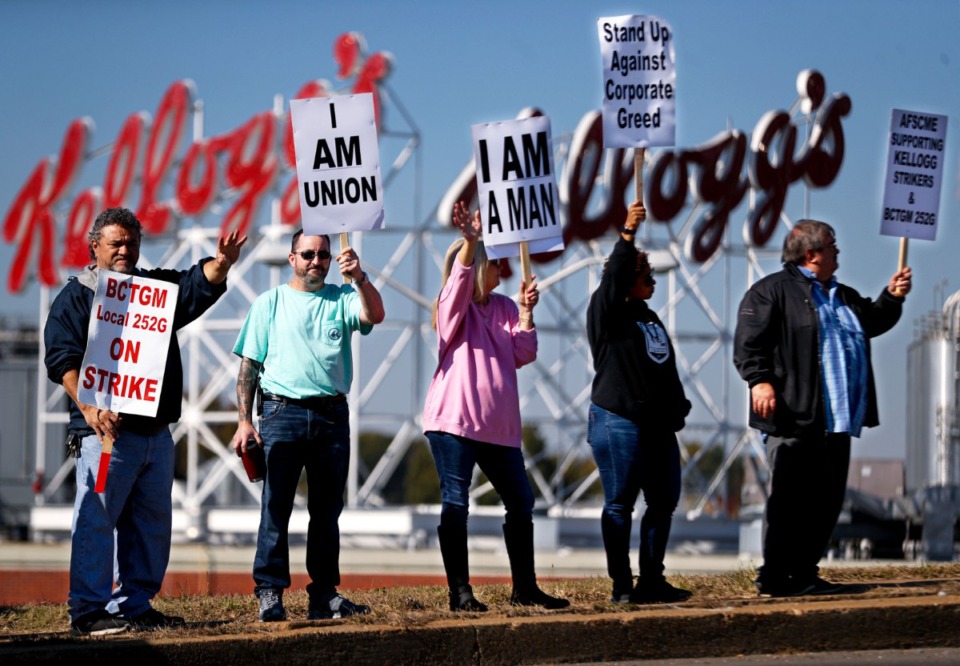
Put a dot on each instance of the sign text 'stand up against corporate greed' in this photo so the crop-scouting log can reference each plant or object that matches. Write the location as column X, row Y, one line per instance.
column 639, row 82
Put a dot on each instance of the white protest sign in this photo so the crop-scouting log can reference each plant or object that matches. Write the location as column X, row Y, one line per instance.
column 911, row 192
column 127, row 341
column 338, row 164
column 516, row 187
column 639, row 82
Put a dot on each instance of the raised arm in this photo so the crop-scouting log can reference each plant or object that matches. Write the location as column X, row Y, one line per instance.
column 470, row 228
column 228, row 251
column 371, row 303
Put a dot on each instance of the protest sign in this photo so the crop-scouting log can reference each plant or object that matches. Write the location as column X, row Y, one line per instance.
column 127, row 342
column 516, row 186
column 639, row 82
column 911, row 193
column 338, row 164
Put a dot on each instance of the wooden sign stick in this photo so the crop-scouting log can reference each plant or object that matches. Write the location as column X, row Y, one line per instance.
column 638, row 154
column 345, row 242
column 525, row 269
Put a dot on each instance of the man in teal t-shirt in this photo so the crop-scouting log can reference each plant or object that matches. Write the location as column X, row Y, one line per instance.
column 295, row 343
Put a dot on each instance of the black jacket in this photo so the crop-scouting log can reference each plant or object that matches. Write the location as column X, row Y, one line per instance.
column 778, row 341
column 65, row 338
column 632, row 355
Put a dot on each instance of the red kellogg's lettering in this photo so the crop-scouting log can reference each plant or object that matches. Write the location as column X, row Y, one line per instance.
column 30, row 222
column 169, row 127
column 251, row 175
column 580, row 175
column 149, row 149
column 348, row 52
column 84, row 211
column 123, row 161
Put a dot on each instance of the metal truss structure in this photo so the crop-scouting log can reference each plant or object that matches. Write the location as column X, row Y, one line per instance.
column 393, row 366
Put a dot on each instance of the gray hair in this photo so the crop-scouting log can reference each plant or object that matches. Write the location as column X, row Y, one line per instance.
column 805, row 235
column 118, row 216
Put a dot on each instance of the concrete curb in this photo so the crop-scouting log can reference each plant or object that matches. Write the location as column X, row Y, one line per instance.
column 759, row 627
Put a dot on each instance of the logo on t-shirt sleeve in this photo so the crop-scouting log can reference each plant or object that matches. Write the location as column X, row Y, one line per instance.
column 657, row 347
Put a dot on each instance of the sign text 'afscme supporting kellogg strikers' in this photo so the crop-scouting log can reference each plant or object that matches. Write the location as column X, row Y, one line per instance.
column 911, row 193
column 127, row 343
column 639, row 82
column 338, row 164
column 517, row 189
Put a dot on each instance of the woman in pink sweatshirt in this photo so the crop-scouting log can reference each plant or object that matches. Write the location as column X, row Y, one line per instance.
column 472, row 413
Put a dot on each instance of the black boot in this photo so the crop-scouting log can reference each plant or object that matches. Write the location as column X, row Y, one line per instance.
column 453, row 548
column 519, row 540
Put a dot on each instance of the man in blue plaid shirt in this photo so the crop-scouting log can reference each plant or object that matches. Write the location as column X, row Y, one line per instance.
column 802, row 344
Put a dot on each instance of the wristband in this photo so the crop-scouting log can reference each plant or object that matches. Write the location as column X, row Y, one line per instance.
column 628, row 232
column 362, row 281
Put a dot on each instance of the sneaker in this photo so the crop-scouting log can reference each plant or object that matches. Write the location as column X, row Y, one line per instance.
column 658, row 592
column 335, row 608
column 271, row 606
column 621, row 596
column 99, row 623
column 152, row 619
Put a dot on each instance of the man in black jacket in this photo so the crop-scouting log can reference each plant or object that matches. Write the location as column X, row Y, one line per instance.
column 802, row 345
column 130, row 522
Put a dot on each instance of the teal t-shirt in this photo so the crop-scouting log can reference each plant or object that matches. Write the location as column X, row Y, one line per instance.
column 303, row 340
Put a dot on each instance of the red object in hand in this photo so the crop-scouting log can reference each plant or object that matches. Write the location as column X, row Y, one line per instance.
column 254, row 461
column 104, row 465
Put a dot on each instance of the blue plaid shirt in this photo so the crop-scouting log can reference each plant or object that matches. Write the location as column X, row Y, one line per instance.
column 843, row 358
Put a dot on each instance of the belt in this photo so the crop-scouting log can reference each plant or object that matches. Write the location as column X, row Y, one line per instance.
column 317, row 402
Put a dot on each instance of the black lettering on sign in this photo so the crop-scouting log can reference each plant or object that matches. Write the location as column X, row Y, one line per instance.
column 347, row 153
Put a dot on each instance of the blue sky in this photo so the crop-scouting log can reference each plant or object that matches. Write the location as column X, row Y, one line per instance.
column 456, row 64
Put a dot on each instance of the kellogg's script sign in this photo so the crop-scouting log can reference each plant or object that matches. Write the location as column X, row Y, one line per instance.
column 251, row 157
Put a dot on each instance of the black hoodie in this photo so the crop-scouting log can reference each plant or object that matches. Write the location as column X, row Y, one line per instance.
column 632, row 354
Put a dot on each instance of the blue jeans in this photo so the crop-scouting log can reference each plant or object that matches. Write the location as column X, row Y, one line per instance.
column 318, row 440
column 455, row 458
column 632, row 457
column 137, row 509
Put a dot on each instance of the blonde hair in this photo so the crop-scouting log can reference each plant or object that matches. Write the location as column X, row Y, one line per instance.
column 480, row 263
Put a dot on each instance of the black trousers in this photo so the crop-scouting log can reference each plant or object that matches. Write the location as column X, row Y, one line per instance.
column 808, row 484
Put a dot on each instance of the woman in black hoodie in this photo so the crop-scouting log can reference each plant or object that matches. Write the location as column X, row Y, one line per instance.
column 637, row 406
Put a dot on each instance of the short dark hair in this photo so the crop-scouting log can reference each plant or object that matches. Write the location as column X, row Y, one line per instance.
column 296, row 238
column 118, row 216
column 805, row 235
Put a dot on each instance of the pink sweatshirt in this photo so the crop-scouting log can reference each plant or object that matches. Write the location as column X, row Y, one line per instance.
column 474, row 390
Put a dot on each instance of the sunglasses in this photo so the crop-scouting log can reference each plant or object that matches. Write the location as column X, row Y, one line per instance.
column 308, row 255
